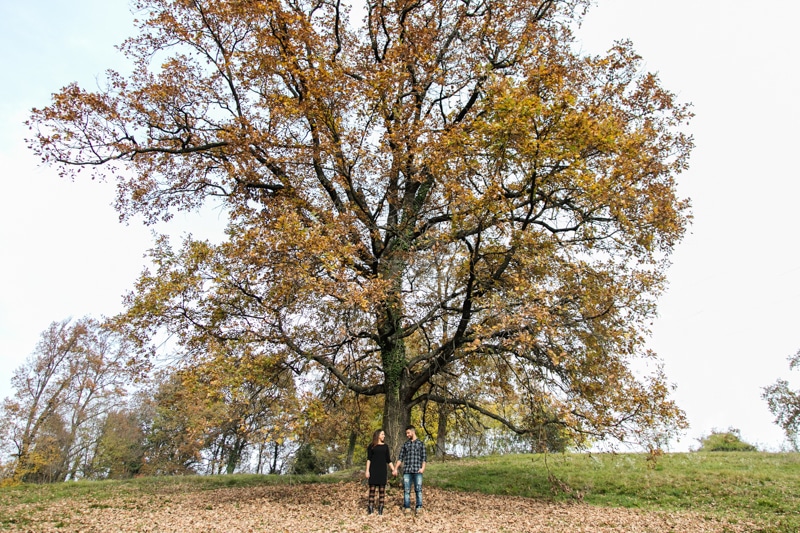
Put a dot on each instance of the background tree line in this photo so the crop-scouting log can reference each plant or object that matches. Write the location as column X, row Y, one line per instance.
column 83, row 408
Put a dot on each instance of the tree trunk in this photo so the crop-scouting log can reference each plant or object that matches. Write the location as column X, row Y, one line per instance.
column 235, row 456
column 351, row 449
column 441, row 433
column 396, row 416
column 260, row 463
column 397, row 397
column 76, row 465
column 273, row 468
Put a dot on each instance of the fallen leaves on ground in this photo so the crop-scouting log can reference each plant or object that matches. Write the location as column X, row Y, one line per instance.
column 342, row 507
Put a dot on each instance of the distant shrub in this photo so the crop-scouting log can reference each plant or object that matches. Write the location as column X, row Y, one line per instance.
column 725, row 441
column 306, row 461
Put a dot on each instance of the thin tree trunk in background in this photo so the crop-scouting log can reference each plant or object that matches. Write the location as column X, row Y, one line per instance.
column 441, row 434
column 273, row 469
column 351, row 449
column 260, row 463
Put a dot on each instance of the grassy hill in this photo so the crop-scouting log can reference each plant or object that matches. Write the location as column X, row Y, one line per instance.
column 750, row 487
column 761, row 487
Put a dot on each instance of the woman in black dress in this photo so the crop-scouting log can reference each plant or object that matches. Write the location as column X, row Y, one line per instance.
column 378, row 457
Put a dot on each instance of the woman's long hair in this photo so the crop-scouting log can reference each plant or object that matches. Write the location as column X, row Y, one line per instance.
column 375, row 438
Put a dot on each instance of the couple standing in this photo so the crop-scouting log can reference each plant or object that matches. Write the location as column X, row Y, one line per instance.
column 413, row 458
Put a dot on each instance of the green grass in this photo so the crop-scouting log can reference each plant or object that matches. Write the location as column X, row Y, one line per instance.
column 740, row 486
column 759, row 487
column 30, row 493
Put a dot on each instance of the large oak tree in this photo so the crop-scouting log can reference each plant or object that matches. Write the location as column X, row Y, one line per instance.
column 429, row 200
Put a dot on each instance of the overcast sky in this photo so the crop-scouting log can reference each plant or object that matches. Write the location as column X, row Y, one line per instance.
column 729, row 319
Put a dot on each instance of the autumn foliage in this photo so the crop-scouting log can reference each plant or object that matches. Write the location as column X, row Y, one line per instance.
column 436, row 203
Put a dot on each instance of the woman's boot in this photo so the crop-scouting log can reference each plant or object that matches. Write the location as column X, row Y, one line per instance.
column 369, row 509
column 380, row 509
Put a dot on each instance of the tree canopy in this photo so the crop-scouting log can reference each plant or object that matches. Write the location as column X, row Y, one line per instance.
column 437, row 202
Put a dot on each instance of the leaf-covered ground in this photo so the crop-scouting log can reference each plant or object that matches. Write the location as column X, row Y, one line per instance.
column 339, row 507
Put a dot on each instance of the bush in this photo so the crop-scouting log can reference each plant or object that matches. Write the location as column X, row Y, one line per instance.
column 306, row 461
column 725, row 441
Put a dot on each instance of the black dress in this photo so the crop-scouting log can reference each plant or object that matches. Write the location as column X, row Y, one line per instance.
column 378, row 457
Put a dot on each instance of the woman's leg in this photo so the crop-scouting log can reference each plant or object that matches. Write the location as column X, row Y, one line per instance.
column 371, row 504
column 381, row 498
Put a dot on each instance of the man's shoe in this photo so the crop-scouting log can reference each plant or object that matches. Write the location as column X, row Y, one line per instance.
column 418, row 511
column 406, row 511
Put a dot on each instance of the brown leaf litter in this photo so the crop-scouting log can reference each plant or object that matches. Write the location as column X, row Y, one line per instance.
column 342, row 508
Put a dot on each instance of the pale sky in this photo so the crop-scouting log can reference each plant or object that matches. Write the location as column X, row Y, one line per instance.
column 727, row 323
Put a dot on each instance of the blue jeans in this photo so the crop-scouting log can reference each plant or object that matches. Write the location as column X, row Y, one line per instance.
column 408, row 479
